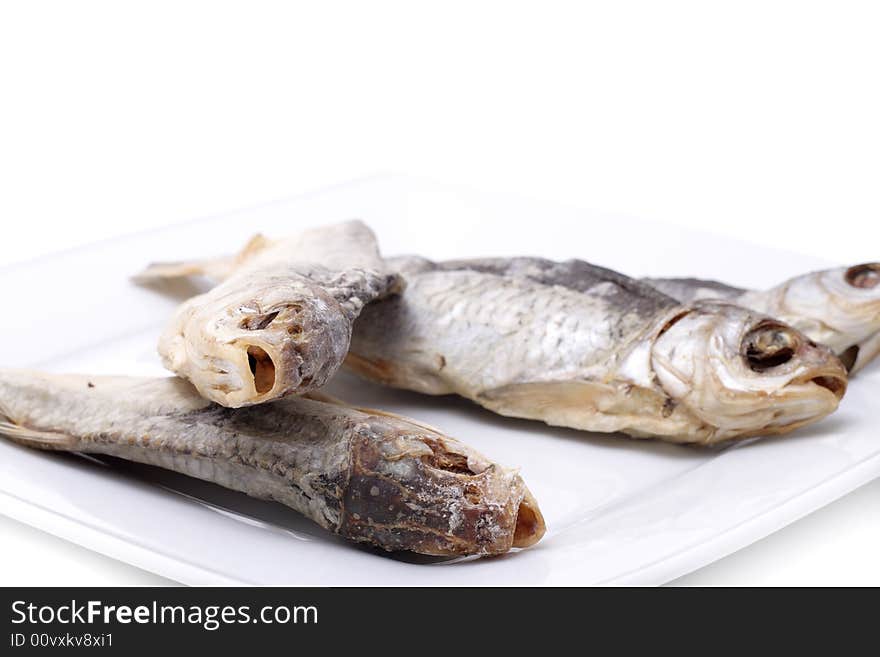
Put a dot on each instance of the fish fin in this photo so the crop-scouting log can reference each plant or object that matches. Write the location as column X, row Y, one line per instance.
column 255, row 246
column 374, row 369
column 591, row 406
column 570, row 403
column 217, row 268
column 35, row 438
column 329, row 399
column 390, row 374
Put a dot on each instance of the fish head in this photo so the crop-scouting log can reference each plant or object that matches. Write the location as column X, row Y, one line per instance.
column 744, row 373
column 411, row 488
column 839, row 307
column 255, row 344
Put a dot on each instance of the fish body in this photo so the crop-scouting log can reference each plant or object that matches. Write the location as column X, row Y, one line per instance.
column 368, row 476
column 838, row 307
column 280, row 321
column 581, row 346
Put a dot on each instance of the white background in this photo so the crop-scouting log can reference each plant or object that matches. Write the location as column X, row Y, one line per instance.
column 753, row 119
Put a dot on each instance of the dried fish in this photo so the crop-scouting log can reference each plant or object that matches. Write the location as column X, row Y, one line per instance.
column 368, row 476
column 280, row 322
column 581, row 346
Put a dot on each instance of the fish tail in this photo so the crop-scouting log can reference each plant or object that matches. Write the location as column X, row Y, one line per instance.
column 160, row 271
column 34, row 438
column 217, row 268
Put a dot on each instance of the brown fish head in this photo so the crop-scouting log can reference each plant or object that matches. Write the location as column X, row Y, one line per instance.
column 743, row 373
column 255, row 344
column 838, row 307
column 413, row 489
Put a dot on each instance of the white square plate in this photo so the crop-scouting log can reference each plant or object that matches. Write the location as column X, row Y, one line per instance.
column 618, row 510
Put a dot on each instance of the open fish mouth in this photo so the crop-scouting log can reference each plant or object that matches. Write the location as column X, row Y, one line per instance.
column 802, row 401
column 258, row 350
column 262, row 369
column 434, row 494
column 501, row 496
column 242, row 373
column 815, row 394
column 530, row 527
column 264, row 372
column 832, row 381
column 771, row 345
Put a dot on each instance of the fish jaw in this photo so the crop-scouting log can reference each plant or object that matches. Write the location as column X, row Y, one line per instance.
column 433, row 495
column 246, row 348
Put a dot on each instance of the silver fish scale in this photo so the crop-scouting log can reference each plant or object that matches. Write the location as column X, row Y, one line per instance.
column 493, row 329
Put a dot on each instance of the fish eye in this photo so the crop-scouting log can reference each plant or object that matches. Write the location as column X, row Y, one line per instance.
column 864, row 276
column 769, row 345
